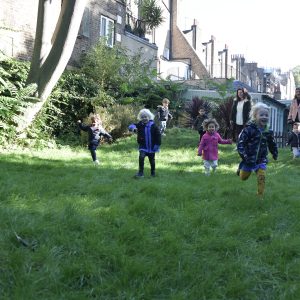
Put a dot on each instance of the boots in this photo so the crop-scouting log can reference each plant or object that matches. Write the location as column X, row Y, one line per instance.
column 261, row 178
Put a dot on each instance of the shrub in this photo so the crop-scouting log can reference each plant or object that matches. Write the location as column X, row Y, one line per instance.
column 222, row 114
column 11, row 108
column 192, row 108
column 117, row 118
column 14, row 71
column 70, row 101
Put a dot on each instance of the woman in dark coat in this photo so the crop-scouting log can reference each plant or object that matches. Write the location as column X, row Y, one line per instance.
column 240, row 112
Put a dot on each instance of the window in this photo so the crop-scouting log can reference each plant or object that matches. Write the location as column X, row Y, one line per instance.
column 107, row 30
column 85, row 26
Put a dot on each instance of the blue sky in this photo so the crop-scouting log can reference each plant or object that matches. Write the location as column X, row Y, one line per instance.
column 265, row 31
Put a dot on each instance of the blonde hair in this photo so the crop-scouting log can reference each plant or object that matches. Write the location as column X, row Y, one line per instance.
column 206, row 122
column 146, row 112
column 255, row 108
column 95, row 118
column 166, row 100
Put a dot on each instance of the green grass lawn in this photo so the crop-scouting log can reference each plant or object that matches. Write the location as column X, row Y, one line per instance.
column 98, row 233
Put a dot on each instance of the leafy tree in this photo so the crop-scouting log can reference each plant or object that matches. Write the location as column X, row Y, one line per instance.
column 121, row 77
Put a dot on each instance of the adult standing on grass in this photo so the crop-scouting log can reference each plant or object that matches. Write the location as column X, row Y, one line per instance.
column 95, row 131
column 240, row 112
column 148, row 138
column 163, row 114
column 208, row 147
column 253, row 144
column 294, row 112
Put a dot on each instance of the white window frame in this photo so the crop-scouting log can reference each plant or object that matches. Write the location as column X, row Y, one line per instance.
column 107, row 29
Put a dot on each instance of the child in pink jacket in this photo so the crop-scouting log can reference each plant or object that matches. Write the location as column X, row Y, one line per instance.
column 208, row 147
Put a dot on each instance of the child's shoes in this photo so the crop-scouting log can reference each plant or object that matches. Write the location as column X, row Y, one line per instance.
column 96, row 162
column 139, row 175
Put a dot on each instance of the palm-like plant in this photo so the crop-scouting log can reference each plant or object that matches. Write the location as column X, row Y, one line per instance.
column 222, row 114
column 151, row 13
column 192, row 109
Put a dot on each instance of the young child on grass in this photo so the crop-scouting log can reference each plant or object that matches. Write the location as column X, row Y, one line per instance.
column 208, row 147
column 253, row 144
column 294, row 140
column 95, row 131
column 163, row 115
column 198, row 124
column 148, row 138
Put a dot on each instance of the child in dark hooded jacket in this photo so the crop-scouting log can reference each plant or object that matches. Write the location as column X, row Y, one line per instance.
column 148, row 138
column 253, row 144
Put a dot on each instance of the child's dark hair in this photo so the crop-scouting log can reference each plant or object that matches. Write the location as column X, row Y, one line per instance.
column 206, row 122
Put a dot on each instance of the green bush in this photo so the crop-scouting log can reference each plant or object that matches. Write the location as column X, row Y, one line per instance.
column 117, row 118
column 70, row 101
column 14, row 71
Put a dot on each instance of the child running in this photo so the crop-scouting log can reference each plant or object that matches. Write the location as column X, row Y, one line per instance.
column 208, row 147
column 95, row 131
column 198, row 124
column 294, row 140
column 148, row 138
column 163, row 114
column 253, row 144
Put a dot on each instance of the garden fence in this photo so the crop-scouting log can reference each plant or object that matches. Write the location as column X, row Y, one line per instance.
column 281, row 138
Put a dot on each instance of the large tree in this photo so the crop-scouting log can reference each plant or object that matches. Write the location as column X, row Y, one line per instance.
column 54, row 42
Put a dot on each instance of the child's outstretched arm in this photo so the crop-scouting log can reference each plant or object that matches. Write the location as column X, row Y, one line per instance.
column 289, row 139
column 272, row 146
column 104, row 133
column 82, row 126
column 241, row 144
column 222, row 141
column 201, row 146
column 132, row 128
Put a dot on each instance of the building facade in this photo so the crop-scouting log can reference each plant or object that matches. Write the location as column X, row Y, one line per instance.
column 101, row 18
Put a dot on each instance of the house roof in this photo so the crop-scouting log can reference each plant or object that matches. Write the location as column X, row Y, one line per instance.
column 272, row 100
column 237, row 84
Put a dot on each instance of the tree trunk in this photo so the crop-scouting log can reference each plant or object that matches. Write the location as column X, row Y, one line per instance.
column 54, row 43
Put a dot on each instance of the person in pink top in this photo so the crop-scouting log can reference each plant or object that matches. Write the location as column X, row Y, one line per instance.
column 208, row 146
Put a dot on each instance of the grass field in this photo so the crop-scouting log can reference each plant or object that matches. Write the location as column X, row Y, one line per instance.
column 98, row 233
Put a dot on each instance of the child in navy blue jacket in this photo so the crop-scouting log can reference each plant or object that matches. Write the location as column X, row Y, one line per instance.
column 148, row 138
column 95, row 131
column 253, row 144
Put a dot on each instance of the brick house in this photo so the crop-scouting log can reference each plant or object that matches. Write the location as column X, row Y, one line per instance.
column 101, row 18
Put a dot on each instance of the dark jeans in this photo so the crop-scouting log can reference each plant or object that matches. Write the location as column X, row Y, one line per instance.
column 93, row 153
column 93, row 147
column 201, row 133
column 236, row 131
column 151, row 157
